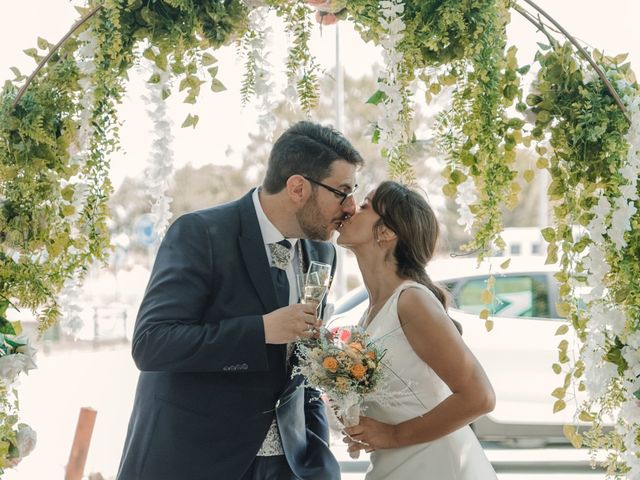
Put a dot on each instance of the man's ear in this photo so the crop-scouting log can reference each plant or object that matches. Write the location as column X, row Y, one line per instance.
column 297, row 189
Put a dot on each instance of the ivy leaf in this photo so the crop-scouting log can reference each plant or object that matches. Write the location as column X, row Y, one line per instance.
column 192, row 97
column 377, row 97
column 484, row 314
column 563, row 309
column 82, row 10
column 375, row 138
column 549, row 234
column 208, row 59
column 149, row 54
column 458, row 177
column 543, row 46
column 190, row 121
column 486, row 297
column 31, row 52
column 557, row 369
column 6, row 327
column 529, row 175
column 488, row 325
column 542, row 163
column 618, row 59
column 559, row 405
column 562, row 329
column 43, row 44
column 524, row 69
column 449, row 190
column 504, row 265
column 217, row 85
column 213, row 71
column 570, row 433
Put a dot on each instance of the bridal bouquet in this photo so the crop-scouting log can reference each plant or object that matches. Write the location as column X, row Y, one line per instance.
column 347, row 365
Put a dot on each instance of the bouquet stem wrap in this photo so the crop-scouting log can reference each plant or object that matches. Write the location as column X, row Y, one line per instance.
column 351, row 418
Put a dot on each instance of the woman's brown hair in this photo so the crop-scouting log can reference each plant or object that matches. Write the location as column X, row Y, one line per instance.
column 411, row 218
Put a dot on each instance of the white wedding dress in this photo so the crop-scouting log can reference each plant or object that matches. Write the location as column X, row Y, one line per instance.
column 457, row 456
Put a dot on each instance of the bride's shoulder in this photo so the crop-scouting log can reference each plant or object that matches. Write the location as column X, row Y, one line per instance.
column 416, row 299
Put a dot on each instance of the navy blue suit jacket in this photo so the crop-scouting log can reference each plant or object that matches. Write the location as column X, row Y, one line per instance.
column 209, row 386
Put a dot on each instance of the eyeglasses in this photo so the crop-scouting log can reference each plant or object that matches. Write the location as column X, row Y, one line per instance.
column 338, row 193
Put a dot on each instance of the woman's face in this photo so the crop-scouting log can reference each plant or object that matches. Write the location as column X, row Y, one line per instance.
column 358, row 230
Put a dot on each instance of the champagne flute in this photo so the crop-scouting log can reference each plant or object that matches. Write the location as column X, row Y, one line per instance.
column 315, row 283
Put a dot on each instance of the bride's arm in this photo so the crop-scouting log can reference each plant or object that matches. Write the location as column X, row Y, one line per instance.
column 435, row 340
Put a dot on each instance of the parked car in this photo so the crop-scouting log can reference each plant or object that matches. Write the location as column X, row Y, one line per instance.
column 517, row 354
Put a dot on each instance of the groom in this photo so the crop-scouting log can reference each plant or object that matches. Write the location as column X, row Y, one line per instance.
column 215, row 399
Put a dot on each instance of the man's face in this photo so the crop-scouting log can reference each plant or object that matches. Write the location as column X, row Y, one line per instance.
column 323, row 213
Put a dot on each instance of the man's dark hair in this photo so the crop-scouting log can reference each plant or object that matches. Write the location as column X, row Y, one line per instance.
column 307, row 148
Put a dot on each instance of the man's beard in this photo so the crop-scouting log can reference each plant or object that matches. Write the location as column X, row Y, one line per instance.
column 309, row 219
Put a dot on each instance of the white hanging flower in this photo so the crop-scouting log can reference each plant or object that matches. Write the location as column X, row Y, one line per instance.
column 393, row 133
column 263, row 82
column 160, row 170
column 466, row 196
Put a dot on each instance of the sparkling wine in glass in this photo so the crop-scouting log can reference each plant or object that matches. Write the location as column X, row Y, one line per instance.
column 316, row 282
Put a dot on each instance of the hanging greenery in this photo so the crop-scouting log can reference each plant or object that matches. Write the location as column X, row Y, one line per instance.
column 59, row 127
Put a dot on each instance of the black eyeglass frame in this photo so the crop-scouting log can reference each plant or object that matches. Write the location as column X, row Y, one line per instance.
column 339, row 193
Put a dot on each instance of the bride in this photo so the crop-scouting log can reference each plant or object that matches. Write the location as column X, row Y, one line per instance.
column 424, row 433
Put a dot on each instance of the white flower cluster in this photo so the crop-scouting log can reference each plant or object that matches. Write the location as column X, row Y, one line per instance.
column 611, row 220
column 466, row 196
column 263, row 83
column 390, row 123
column 79, row 150
column 16, row 356
column 26, row 439
column 160, row 170
column 621, row 217
column 68, row 299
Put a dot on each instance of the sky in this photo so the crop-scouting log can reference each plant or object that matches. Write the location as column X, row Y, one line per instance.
column 224, row 126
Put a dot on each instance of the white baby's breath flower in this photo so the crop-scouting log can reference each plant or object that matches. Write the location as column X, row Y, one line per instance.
column 27, row 438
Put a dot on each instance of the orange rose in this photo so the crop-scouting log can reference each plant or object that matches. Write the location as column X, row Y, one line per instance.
column 330, row 363
column 356, row 346
column 358, row 371
column 371, row 355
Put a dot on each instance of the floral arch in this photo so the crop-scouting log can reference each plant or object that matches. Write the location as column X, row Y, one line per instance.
column 582, row 116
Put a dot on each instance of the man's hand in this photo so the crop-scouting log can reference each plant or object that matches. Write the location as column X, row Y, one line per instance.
column 291, row 323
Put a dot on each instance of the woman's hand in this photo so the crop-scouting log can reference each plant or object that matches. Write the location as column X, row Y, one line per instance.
column 370, row 435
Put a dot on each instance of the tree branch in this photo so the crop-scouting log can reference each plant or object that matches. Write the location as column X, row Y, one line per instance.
column 55, row 48
column 580, row 49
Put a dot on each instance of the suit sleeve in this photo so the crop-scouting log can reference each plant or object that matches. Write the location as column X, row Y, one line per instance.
column 172, row 332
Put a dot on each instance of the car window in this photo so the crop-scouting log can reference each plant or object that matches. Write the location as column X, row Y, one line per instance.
column 514, row 296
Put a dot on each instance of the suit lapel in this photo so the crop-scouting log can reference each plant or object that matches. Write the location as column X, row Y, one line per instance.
column 254, row 254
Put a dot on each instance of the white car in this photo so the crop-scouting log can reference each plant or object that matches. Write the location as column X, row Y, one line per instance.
column 517, row 354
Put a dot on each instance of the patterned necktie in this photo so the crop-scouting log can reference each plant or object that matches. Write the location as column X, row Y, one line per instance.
column 280, row 258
